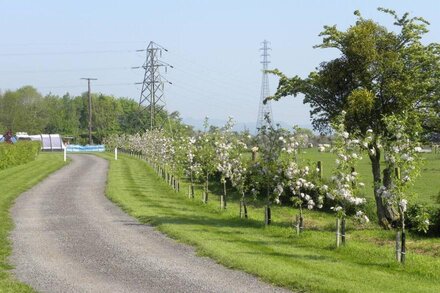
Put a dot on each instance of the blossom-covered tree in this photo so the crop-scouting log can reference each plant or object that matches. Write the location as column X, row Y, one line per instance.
column 240, row 175
column 345, row 190
column 193, row 167
column 270, row 183
column 206, row 156
column 402, row 155
column 298, row 179
column 224, row 145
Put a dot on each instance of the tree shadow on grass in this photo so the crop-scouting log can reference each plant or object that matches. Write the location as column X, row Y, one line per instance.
column 313, row 257
column 199, row 220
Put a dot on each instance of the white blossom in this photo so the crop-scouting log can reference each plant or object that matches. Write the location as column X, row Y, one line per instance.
column 403, row 204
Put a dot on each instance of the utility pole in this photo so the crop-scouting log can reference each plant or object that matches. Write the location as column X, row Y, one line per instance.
column 152, row 93
column 264, row 110
column 90, row 107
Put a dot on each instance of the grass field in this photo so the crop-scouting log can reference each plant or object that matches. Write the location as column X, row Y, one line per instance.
column 13, row 182
column 426, row 187
column 308, row 262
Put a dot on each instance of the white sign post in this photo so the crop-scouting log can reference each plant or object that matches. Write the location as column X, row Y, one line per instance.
column 65, row 154
column 116, row 154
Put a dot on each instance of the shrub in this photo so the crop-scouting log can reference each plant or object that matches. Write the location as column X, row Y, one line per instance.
column 19, row 153
column 430, row 213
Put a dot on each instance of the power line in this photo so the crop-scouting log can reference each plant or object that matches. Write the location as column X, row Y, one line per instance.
column 65, row 70
column 219, row 83
column 65, row 53
column 70, row 43
column 80, row 86
column 208, row 71
column 228, row 73
column 219, row 96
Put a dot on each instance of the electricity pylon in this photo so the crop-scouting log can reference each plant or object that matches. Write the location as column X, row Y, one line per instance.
column 264, row 110
column 152, row 93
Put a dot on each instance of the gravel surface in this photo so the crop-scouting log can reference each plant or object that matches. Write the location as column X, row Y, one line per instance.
column 69, row 237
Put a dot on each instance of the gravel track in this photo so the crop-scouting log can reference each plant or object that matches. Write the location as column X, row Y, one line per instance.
column 69, row 237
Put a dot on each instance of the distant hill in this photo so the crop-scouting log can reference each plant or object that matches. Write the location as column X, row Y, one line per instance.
column 239, row 126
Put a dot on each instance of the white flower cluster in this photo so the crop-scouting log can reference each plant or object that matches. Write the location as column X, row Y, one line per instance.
column 362, row 217
column 193, row 167
column 324, row 147
column 296, row 176
column 290, row 145
column 224, row 165
column 403, row 204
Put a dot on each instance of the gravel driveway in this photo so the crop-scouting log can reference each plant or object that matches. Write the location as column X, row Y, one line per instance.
column 69, row 237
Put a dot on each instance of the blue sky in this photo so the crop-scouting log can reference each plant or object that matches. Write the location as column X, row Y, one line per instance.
column 213, row 46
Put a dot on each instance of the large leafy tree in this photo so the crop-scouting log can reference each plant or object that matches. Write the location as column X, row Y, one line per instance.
column 22, row 110
column 379, row 73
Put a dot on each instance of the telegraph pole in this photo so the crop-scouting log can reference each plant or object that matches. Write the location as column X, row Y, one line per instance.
column 90, row 107
column 264, row 110
column 152, row 93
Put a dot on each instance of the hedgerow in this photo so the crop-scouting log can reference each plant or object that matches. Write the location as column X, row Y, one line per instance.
column 19, row 153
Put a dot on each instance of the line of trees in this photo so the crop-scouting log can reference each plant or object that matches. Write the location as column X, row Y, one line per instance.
column 26, row 110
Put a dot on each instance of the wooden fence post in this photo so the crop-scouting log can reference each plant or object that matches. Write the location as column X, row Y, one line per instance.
column 398, row 248
column 319, row 166
column 267, row 215
column 337, row 232
column 403, row 248
column 297, row 225
column 343, row 231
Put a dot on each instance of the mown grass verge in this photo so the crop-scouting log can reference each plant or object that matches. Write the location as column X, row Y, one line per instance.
column 309, row 262
column 13, row 182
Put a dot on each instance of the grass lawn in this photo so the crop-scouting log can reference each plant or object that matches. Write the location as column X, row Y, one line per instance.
column 426, row 187
column 13, row 182
column 309, row 262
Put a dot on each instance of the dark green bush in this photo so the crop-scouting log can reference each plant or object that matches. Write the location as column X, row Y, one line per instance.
column 19, row 153
column 433, row 217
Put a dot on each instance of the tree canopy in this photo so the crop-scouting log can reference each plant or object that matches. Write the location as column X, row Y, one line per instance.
column 379, row 72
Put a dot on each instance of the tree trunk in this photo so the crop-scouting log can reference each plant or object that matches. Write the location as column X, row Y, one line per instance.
column 390, row 212
column 384, row 221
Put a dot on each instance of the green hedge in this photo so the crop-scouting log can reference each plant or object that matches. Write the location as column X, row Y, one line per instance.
column 19, row 153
